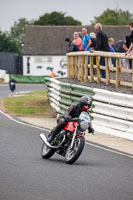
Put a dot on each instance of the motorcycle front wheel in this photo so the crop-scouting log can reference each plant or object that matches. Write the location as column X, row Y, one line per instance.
column 47, row 152
column 73, row 154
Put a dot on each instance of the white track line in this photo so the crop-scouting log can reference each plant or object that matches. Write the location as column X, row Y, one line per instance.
column 97, row 146
column 19, row 122
column 110, row 150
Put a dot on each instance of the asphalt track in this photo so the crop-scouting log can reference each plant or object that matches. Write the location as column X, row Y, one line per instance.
column 99, row 174
column 5, row 91
column 24, row 175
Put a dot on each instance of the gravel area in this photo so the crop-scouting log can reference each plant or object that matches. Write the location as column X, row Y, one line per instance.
column 111, row 87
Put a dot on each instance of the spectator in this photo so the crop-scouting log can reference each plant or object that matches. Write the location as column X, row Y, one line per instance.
column 112, row 49
column 101, row 45
column 111, row 44
column 86, row 43
column 119, row 46
column 93, row 40
column 72, row 47
column 80, row 34
column 86, row 40
column 77, row 40
column 127, row 43
column 130, row 50
column 126, row 46
column 93, row 44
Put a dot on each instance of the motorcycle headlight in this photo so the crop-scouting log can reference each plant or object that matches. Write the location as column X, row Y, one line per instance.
column 83, row 125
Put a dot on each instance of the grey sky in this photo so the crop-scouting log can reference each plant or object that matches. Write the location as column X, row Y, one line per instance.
column 83, row 10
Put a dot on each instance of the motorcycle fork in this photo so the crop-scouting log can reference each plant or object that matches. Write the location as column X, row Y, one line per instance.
column 73, row 138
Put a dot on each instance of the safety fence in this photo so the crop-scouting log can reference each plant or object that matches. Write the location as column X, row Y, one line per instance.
column 78, row 64
column 112, row 112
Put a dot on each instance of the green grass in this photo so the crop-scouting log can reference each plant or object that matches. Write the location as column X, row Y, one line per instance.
column 35, row 103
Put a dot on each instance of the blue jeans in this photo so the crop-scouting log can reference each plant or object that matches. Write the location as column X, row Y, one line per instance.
column 102, row 62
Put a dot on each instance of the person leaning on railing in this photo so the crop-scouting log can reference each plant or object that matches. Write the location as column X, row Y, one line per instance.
column 130, row 50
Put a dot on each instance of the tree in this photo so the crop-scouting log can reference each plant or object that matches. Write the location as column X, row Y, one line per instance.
column 56, row 18
column 17, row 30
column 7, row 44
column 114, row 17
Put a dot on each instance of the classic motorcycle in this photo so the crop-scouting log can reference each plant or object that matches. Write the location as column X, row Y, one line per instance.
column 69, row 142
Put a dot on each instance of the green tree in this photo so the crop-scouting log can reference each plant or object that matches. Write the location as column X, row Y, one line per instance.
column 7, row 44
column 17, row 30
column 114, row 17
column 56, row 18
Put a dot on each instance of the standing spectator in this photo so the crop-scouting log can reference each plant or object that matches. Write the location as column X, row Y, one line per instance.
column 86, row 40
column 101, row 45
column 77, row 40
column 93, row 40
column 86, row 43
column 112, row 49
column 72, row 47
column 127, row 43
column 119, row 46
column 93, row 44
column 80, row 34
column 130, row 50
column 111, row 44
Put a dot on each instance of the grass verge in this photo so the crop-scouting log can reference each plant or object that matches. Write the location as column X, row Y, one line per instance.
column 33, row 103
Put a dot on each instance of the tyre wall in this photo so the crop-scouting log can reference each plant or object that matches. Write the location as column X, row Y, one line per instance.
column 112, row 112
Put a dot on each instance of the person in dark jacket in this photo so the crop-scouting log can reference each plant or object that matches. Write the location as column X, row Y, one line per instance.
column 74, row 111
column 101, row 45
column 72, row 47
column 130, row 50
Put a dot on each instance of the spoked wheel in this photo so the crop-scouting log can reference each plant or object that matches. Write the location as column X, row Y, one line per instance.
column 47, row 152
column 73, row 154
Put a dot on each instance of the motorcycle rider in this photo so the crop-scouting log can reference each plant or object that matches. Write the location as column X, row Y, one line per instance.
column 73, row 111
column 12, row 85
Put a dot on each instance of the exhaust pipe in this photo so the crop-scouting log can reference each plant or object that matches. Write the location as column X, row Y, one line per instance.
column 44, row 139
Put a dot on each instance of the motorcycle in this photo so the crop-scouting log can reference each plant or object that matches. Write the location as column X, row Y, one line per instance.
column 12, row 86
column 69, row 142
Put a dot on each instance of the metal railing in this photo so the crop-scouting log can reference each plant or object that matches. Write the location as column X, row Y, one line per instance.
column 78, row 64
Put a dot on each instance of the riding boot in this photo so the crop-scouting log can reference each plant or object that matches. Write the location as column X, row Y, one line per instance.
column 57, row 129
column 52, row 135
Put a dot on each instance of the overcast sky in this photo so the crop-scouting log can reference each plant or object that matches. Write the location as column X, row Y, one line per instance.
column 82, row 10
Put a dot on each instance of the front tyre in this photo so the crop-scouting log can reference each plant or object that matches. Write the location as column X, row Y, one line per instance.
column 47, row 152
column 73, row 154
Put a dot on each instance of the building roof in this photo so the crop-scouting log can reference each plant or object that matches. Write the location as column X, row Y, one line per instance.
column 50, row 40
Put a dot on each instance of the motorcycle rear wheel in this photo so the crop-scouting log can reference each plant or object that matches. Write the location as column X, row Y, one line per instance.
column 73, row 154
column 47, row 152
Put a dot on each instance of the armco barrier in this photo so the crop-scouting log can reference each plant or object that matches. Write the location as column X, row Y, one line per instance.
column 27, row 79
column 112, row 112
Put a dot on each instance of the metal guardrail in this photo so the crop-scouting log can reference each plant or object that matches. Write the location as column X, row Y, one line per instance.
column 112, row 112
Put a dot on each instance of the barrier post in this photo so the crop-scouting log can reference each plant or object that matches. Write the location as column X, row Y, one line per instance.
column 82, row 69
column 73, row 66
column 86, row 69
column 68, row 66
column 91, row 69
column 117, row 83
column 98, row 68
column 107, row 70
